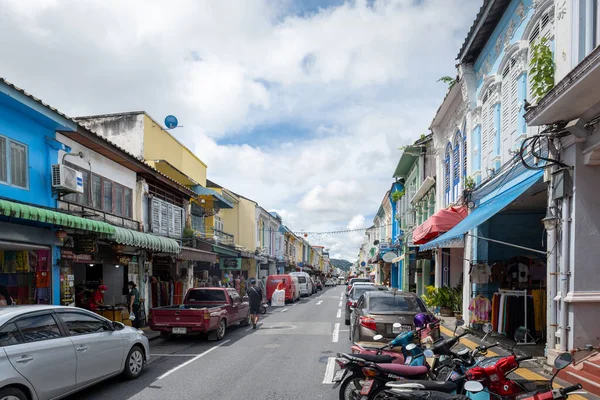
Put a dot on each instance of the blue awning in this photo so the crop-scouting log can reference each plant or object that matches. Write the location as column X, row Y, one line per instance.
column 485, row 211
column 222, row 201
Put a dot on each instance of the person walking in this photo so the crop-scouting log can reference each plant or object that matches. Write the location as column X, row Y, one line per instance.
column 255, row 297
column 133, row 303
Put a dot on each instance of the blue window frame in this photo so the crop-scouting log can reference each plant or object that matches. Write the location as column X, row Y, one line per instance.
column 14, row 163
column 447, row 168
column 464, row 139
column 456, row 161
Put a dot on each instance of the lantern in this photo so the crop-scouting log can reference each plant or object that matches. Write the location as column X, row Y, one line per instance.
column 118, row 248
column 61, row 235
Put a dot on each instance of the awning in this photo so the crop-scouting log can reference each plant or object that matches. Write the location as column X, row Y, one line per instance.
column 440, row 222
column 485, row 211
column 145, row 241
column 246, row 254
column 31, row 213
column 190, row 254
column 222, row 201
column 225, row 251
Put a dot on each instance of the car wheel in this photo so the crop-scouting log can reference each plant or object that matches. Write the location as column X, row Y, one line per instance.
column 247, row 321
column 12, row 394
column 221, row 330
column 134, row 364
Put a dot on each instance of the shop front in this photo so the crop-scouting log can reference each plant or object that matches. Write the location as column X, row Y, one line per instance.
column 504, row 270
column 190, row 260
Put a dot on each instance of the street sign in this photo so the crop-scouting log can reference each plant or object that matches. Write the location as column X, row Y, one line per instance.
column 389, row 256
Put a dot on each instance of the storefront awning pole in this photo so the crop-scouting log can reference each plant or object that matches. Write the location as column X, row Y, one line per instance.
column 509, row 244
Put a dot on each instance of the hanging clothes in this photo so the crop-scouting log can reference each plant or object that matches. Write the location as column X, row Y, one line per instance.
column 495, row 311
column 481, row 274
column 501, row 313
column 481, row 308
column 499, row 274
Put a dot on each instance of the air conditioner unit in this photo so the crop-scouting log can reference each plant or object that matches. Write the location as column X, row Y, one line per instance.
column 66, row 179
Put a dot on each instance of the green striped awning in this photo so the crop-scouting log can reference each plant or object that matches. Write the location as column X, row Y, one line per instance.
column 145, row 241
column 24, row 211
column 225, row 251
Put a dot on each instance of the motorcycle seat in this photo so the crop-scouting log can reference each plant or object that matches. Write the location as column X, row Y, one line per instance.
column 404, row 370
column 446, row 387
column 378, row 346
column 384, row 359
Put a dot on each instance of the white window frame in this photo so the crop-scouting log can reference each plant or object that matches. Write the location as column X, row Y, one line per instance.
column 586, row 29
column 218, row 223
column 8, row 165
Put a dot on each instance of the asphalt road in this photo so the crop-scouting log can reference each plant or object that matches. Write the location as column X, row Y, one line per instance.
column 285, row 358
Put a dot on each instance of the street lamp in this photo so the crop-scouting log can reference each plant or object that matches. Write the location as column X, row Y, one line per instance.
column 549, row 221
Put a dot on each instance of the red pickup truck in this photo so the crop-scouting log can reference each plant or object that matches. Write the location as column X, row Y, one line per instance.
column 204, row 310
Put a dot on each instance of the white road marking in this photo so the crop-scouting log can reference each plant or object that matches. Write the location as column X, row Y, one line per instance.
column 336, row 333
column 169, row 372
column 284, row 310
column 339, row 313
column 319, row 302
column 344, row 330
column 339, row 305
column 173, row 355
column 329, row 371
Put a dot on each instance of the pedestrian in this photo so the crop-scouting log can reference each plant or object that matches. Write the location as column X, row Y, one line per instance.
column 97, row 299
column 281, row 285
column 255, row 297
column 5, row 299
column 133, row 302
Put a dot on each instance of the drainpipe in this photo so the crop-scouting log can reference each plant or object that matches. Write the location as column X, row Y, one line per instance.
column 551, row 279
column 564, row 270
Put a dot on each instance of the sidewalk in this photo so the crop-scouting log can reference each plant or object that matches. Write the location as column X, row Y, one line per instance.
column 536, row 370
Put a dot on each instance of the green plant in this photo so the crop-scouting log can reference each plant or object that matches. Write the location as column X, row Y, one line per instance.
column 188, row 232
column 541, row 69
column 443, row 297
column 457, row 300
column 469, row 183
column 448, row 80
column 398, row 194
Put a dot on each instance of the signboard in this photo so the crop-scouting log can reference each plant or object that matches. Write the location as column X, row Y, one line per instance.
column 77, row 258
column 362, row 264
column 425, row 255
column 231, row 263
column 85, row 244
column 389, row 256
column 384, row 245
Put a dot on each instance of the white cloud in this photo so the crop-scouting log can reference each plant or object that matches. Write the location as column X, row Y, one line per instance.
column 361, row 78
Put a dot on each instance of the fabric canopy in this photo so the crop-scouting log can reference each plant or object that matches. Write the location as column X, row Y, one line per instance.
column 191, row 254
column 145, row 241
column 225, row 251
column 485, row 210
column 440, row 222
column 31, row 213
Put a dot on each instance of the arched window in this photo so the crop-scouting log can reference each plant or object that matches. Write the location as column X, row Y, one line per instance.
column 464, row 141
column 543, row 27
column 510, row 108
column 456, row 163
column 488, row 128
column 447, row 173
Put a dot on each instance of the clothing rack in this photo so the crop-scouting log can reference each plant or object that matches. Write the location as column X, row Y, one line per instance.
column 521, row 293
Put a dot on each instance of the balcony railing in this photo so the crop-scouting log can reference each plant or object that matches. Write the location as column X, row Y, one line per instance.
column 97, row 215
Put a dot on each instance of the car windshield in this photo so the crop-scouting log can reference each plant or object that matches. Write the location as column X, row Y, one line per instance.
column 301, row 279
column 199, row 295
column 394, row 303
column 360, row 290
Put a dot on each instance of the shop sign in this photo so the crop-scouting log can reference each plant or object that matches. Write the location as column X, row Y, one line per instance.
column 161, row 261
column 231, row 263
column 389, row 256
column 124, row 260
column 78, row 258
column 425, row 255
column 85, row 244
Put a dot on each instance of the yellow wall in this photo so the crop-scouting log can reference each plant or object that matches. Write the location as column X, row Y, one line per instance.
column 247, row 224
column 298, row 251
column 160, row 145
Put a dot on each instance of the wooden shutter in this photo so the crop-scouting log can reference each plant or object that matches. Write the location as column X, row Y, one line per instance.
column 486, row 118
column 177, row 221
column 510, row 107
column 155, row 217
column 164, row 218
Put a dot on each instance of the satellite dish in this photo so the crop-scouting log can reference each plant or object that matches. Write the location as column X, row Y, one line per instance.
column 171, row 122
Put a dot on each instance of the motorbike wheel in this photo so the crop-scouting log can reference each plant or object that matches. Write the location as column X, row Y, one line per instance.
column 263, row 309
column 351, row 386
column 379, row 393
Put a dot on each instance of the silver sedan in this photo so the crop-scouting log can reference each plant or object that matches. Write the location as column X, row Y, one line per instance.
column 49, row 352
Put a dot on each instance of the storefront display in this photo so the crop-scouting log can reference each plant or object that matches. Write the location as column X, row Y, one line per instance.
column 27, row 275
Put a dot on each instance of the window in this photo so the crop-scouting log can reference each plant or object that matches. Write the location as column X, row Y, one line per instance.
column 235, row 296
column 219, row 226
column 9, row 334
column 106, row 195
column 14, row 166
column 166, row 219
column 81, row 324
column 38, row 328
column 510, row 107
column 456, row 159
column 208, row 295
column 447, row 173
column 465, row 151
column 395, row 304
column 488, row 128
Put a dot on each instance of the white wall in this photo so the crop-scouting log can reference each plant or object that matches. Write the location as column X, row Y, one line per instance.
column 126, row 131
column 100, row 165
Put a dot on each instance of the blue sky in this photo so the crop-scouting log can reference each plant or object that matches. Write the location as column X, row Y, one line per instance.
column 299, row 105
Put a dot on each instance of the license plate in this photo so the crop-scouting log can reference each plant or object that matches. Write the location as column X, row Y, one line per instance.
column 179, row 331
column 366, row 387
column 338, row 375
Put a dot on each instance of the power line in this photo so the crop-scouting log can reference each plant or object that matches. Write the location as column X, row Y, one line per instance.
column 339, row 232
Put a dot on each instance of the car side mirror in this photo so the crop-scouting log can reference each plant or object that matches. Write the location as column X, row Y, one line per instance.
column 118, row 326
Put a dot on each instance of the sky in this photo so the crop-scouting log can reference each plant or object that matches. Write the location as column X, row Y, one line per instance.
column 298, row 105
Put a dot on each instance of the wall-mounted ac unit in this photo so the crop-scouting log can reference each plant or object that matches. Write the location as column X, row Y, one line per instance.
column 66, row 179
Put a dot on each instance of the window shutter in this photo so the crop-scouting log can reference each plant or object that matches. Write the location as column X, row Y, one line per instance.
column 155, row 216
column 3, row 161
column 164, row 218
column 171, row 220
column 177, row 221
column 486, row 126
column 465, row 154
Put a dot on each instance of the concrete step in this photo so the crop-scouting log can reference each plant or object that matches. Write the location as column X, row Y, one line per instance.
column 589, row 382
column 591, row 367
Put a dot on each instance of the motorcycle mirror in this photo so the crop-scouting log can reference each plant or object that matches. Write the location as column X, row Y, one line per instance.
column 473, row 386
column 563, row 361
column 487, row 328
column 411, row 347
column 397, row 325
column 428, row 353
column 520, row 333
column 377, row 337
column 459, row 322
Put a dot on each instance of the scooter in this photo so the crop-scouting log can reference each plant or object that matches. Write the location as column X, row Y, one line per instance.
column 470, row 388
column 560, row 363
column 263, row 307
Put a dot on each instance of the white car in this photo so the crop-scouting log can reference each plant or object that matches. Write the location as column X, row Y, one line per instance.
column 329, row 282
column 49, row 352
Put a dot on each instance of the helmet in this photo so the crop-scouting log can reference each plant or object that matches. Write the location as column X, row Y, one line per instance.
column 421, row 320
column 252, row 281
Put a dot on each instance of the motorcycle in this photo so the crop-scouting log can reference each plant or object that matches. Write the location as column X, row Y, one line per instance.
column 560, row 363
column 433, row 393
column 263, row 307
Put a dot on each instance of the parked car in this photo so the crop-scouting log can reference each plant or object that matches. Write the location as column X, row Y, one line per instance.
column 52, row 351
column 329, row 283
column 204, row 310
column 376, row 312
column 291, row 291
column 341, row 281
column 304, row 283
column 314, row 285
column 352, row 281
column 354, row 296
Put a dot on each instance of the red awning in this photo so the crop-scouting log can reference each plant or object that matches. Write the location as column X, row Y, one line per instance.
column 440, row 222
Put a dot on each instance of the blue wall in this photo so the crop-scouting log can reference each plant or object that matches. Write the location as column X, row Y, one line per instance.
column 516, row 228
column 396, row 272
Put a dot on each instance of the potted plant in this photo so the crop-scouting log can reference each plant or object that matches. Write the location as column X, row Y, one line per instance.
column 457, row 303
column 441, row 298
